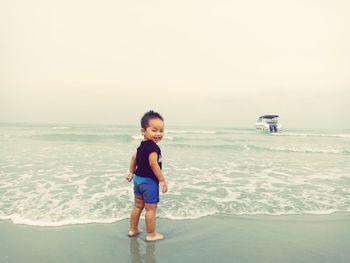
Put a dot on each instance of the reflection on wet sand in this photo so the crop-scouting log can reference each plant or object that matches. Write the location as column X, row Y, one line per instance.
column 136, row 255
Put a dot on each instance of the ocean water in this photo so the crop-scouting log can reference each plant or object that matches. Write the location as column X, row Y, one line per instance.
column 52, row 175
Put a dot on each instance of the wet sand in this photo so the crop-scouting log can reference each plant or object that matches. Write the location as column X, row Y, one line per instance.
column 294, row 238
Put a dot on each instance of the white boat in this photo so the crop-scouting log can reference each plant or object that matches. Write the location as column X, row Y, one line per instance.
column 268, row 123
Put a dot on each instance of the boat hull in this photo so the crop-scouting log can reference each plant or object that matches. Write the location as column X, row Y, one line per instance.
column 268, row 127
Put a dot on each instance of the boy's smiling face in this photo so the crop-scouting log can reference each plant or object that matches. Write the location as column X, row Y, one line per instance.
column 154, row 130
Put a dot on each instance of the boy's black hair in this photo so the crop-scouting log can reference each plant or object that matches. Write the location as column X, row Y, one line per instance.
column 149, row 115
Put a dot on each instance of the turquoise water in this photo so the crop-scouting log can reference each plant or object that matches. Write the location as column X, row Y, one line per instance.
column 54, row 175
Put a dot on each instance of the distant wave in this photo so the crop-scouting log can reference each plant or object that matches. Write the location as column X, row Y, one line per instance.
column 80, row 137
column 61, row 128
column 300, row 150
column 198, row 132
column 231, row 147
column 346, row 136
column 254, row 132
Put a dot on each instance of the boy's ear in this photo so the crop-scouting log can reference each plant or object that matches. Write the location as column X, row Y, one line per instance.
column 143, row 131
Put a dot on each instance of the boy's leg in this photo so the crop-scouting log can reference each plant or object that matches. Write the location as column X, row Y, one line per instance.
column 152, row 235
column 135, row 216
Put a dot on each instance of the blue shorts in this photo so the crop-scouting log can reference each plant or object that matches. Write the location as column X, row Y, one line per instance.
column 146, row 188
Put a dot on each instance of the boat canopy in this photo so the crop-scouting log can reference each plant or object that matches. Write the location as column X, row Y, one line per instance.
column 268, row 116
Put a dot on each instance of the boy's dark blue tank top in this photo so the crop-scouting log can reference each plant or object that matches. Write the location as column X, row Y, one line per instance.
column 143, row 168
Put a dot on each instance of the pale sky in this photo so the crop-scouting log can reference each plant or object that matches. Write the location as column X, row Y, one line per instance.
column 197, row 62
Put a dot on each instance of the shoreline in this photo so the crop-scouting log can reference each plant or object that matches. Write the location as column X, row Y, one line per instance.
column 116, row 221
column 221, row 238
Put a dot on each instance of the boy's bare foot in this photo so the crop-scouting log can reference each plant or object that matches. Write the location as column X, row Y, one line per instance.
column 134, row 233
column 154, row 237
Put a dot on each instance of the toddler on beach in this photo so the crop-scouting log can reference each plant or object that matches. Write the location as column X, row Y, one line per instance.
column 145, row 169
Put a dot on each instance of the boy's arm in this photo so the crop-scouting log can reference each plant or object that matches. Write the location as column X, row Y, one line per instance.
column 131, row 168
column 153, row 163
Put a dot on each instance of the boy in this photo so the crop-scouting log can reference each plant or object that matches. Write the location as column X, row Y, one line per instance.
column 145, row 168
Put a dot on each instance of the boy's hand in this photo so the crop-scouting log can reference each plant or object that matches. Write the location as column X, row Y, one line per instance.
column 163, row 186
column 129, row 177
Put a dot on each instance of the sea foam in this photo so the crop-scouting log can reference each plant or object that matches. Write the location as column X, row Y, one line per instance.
column 57, row 177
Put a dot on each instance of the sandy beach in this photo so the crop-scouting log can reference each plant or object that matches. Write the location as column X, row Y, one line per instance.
column 296, row 238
